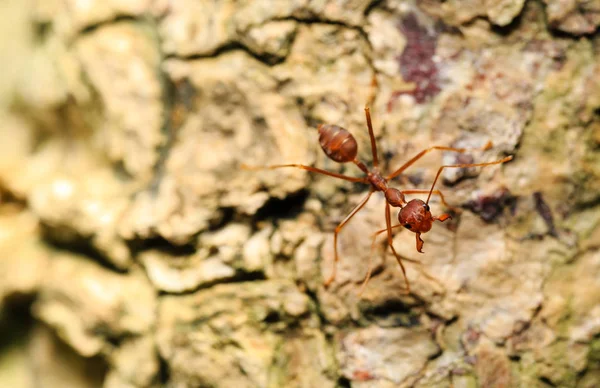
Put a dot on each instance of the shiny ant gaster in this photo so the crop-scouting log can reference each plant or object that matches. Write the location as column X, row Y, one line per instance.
column 340, row 146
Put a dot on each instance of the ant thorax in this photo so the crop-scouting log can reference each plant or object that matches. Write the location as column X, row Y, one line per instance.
column 377, row 180
column 394, row 197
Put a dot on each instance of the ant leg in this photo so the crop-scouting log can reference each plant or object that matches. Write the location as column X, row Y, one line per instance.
column 391, row 244
column 385, row 230
column 307, row 168
column 370, row 265
column 372, row 136
column 436, row 192
column 373, row 92
column 420, row 155
column 463, row 166
column 424, row 273
column 370, row 101
column 337, row 231
column 442, row 218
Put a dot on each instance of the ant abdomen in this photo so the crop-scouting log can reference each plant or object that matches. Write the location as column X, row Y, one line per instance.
column 337, row 143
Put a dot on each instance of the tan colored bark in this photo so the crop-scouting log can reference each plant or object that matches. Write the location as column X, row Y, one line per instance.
column 135, row 252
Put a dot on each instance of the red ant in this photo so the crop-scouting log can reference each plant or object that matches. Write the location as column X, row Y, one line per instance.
column 340, row 146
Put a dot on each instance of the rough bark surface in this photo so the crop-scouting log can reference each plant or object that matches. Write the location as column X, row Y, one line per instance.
column 134, row 252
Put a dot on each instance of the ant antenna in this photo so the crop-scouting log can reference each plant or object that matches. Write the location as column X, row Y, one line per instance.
column 508, row 158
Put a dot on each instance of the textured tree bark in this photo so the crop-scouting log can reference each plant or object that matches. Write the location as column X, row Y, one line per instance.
column 135, row 252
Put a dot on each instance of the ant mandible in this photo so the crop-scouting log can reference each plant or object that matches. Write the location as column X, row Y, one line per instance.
column 340, row 146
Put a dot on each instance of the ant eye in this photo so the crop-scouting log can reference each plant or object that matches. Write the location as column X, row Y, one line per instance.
column 407, row 226
column 426, row 206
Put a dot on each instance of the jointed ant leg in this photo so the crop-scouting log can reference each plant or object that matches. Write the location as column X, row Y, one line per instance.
column 337, row 231
column 464, row 166
column 307, row 168
column 370, row 263
column 370, row 271
column 425, row 151
column 385, row 230
column 373, row 92
column 372, row 136
column 388, row 224
column 437, row 192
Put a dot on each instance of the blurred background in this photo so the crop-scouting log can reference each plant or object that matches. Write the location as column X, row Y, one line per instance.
column 136, row 252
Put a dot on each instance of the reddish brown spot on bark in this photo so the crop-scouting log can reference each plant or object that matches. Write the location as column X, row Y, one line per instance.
column 490, row 207
column 362, row 375
column 416, row 61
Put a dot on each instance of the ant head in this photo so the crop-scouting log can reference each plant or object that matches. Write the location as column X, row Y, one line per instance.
column 416, row 216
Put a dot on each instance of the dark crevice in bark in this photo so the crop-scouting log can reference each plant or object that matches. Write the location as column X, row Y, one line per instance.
column 586, row 205
column 286, row 208
column 374, row 4
column 245, row 276
column 67, row 240
column 315, row 19
column 511, row 27
column 41, row 31
column 178, row 100
column 109, row 336
column 8, row 197
column 318, row 312
column 117, row 19
column 238, row 277
column 547, row 382
column 164, row 372
column 231, row 46
column 225, row 216
column 392, row 313
column 358, row 28
column 272, row 60
column 554, row 31
column 161, row 244
column 15, row 318
column 343, row 382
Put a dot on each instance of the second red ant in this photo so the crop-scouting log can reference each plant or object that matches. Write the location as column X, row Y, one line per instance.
column 340, row 146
